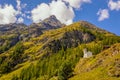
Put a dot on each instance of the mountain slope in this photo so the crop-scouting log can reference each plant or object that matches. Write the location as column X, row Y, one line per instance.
column 104, row 66
column 10, row 34
column 54, row 53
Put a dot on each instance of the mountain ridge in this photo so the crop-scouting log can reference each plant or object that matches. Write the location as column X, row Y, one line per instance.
column 51, row 53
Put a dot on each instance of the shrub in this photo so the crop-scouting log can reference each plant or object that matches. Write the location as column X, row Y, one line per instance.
column 65, row 71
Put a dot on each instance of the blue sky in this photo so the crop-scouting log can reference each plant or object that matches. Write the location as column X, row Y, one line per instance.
column 103, row 13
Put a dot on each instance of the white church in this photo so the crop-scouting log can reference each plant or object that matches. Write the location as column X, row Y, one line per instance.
column 87, row 54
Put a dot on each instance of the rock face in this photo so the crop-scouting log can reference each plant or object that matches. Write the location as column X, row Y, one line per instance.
column 49, row 23
column 12, row 28
column 36, row 29
column 9, row 35
column 70, row 39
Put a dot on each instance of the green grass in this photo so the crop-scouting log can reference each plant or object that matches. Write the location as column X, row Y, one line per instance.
column 96, row 74
column 104, row 66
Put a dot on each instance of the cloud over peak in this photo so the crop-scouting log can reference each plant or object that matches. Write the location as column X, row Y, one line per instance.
column 41, row 12
column 62, row 12
column 59, row 8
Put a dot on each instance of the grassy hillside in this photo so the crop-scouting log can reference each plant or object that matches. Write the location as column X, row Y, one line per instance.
column 54, row 54
column 104, row 66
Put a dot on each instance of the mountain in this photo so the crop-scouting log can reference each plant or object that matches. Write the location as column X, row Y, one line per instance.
column 50, row 50
column 11, row 27
column 49, row 23
column 10, row 34
column 52, row 23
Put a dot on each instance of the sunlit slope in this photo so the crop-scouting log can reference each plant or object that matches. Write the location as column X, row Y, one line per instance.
column 55, row 53
column 104, row 66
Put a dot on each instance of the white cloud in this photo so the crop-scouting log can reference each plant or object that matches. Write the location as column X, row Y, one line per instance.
column 28, row 17
column 7, row 14
column 62, row 12
column 20, row 20
column 58, row 8
column 77, row 3
column 114, row 5
column 41, row 12
column 18, row 7
column 103, row 14
column 69, row 22
column 21, row 14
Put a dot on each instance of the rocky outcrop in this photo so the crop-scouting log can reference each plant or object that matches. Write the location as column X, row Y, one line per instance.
column 49, row 23
column 70, row 39
column 6, row 43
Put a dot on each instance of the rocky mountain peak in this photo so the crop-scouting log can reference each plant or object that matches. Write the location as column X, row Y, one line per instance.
column 52, row 17
column 52, row 22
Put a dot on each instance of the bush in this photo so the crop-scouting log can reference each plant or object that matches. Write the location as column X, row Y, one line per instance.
column 8, row 63
column 65, row 71
column 5, row 67
column 18, row 51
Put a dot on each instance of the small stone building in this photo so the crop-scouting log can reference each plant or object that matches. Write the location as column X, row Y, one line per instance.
column 87, row 54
